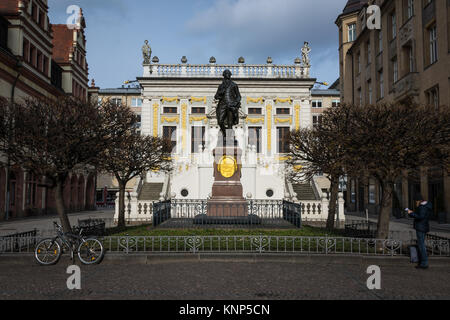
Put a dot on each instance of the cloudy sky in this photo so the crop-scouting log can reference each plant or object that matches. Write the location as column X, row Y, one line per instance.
column 199, row 29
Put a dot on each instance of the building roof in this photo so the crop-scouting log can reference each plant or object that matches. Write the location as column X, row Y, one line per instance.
column 354, row 5
column 121, row 91
column 325, row 92
column 62, row 42
column 9, row 6
column 335, row 84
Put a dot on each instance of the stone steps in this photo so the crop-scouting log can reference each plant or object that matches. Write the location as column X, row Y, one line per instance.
column 150, row 192
column 304, row 192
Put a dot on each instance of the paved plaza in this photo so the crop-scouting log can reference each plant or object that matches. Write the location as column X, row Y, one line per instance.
column 276, row 278
column 44, row 224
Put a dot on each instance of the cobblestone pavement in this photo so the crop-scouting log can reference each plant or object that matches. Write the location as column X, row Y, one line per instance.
column 44, row 224
column 228, row 280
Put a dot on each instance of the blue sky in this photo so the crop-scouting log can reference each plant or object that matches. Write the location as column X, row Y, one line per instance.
column 199, row 29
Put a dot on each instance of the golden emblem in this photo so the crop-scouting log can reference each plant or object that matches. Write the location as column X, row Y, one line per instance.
column 227, row 166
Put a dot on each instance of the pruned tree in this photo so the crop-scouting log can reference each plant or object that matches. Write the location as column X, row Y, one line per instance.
column 388, row 138
column 322, row 150
column 53, row 138
column 131, row 155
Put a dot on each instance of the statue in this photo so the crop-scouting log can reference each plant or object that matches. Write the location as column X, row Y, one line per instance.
column 306, row 50
column 229, row 104
column 146, row 52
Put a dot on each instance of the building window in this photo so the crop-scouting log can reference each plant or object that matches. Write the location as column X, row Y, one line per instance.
column 395, row 69
column 433, row 44
column 117, row 101
column 283, row 111
column 433, row 97
column 283, row 139
column 411, row 59
column 26, row 50
column 317, row 103
column 170, row 110
column 335, row 103
column 317, row 120
column 353, row 191
column 46, row 66
column 33, row 56
column 136, row 102
column 41, row 19
column 39, row 61
column 254, row 110
column 31, row 190
column 254, row 138
column 410, row 9
column 170, row 135
column 34, row 13
column 198, row 110
column 184, row 193
column 369, row 86
column 393, row 26
column 372, row 192
column 197, row 139
column 369, row 53
column 352, row 32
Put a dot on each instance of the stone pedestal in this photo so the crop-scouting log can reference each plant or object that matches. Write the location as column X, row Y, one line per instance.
column 227, row 199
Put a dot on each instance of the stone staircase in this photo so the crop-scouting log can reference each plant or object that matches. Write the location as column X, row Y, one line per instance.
column 150, row 192
column 305, row 192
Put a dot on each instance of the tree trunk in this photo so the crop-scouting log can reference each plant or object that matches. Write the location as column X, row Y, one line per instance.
column 121, row 220
column 385, row 212
column 333, row 203
column 60, row 209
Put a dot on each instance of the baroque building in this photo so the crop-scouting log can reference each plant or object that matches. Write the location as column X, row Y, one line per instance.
column 39, row 59
column 409, row 57
column 178, row 104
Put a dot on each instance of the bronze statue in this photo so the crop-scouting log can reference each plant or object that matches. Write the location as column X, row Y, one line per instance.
column 229, row 104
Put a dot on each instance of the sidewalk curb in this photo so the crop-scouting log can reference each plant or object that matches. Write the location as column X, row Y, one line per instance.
column 144, row 259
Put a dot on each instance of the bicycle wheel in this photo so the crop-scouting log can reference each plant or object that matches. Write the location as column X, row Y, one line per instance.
column 47, row 252
column 91, row 251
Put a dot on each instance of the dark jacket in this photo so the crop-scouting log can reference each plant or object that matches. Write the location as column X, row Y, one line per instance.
column 421, row 217
column 228, row 95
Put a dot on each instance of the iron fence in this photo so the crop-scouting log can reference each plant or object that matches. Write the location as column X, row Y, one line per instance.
column 252, row 213
column 364, row 229
column 17, row 241
column 244, row 244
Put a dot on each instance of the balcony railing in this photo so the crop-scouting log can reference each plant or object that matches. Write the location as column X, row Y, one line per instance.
column 407, row 86
column 216, row 71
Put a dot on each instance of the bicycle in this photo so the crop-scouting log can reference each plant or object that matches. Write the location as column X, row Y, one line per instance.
column 89, row 250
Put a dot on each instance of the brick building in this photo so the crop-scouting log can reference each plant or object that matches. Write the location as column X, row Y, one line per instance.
column 38, row 59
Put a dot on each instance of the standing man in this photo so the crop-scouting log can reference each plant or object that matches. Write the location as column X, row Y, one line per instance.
column 422, row 226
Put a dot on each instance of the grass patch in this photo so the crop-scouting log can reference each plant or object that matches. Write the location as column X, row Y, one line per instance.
column 150, row 231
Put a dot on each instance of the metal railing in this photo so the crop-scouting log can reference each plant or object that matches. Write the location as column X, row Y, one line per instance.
column 252, row 213
column 245, row 244
column 17, row 241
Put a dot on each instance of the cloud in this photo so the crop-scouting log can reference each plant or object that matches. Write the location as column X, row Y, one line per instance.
column 257, row 29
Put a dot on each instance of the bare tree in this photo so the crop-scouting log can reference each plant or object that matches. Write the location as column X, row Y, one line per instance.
column 386, row 139
column 52, row 138
column 322, row 150
column 131, row 155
